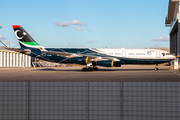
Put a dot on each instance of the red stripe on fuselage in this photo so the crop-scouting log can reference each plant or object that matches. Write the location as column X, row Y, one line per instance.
column 16, row 26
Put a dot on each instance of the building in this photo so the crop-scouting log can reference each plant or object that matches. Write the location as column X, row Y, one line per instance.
column 11, row 58
column 14, row 59
column 173, row 21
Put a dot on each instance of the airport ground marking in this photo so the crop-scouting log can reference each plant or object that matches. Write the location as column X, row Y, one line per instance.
column 175, row 72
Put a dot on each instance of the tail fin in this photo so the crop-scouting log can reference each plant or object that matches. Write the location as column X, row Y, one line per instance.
column 25, row 40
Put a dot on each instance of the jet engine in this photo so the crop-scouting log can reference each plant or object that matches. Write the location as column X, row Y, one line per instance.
column 108, row 63
column 80, row 60
column 117, row 63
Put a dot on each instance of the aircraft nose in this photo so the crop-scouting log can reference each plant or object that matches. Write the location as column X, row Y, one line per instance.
column 173, row 57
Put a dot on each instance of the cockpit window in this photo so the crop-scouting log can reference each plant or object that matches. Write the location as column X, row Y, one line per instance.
column 168, row 54
column 163, row 54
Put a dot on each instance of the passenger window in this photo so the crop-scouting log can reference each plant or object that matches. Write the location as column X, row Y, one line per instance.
column 163, row 54
column 117, row 53
column 140, row 53
column 131, row 54
column 149, row 53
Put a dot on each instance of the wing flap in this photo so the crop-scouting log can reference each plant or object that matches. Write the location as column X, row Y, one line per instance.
column 63, row 54
column 102, row 58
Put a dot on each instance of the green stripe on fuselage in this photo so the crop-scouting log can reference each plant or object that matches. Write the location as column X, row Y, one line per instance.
column 31, row 43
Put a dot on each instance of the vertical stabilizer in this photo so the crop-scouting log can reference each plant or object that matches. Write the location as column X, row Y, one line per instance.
column 25, row 40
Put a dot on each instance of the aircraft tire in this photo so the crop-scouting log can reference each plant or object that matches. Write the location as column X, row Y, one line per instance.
column 84, row 69
column 90, row 69
column 155, row 68
column 95, row 68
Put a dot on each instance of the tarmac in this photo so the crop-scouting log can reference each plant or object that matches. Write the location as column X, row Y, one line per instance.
column 124, row 73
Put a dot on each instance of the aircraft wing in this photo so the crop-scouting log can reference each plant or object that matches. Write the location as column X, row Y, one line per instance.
column 63, row 54
column 97, row 58
column 91, row 57
column 19, row 50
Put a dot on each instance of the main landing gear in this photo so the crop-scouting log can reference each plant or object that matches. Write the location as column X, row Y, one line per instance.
column 90, row 69
column 156, row 68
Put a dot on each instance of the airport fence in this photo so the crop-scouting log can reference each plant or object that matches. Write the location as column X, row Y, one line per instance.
column 89, row 100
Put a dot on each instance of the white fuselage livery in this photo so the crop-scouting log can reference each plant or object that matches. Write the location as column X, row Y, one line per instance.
column 137, row 53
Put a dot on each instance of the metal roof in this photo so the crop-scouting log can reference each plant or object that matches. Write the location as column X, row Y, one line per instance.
column 171, row 10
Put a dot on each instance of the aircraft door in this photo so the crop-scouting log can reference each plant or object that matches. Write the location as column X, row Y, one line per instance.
column 123, row 54
column 158, row 55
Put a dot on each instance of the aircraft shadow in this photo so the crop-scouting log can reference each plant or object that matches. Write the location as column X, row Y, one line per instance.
column 79, row 70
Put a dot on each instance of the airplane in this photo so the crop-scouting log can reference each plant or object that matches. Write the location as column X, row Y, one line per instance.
column 91, row 57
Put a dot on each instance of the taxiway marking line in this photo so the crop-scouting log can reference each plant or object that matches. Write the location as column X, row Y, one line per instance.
column 174, row 72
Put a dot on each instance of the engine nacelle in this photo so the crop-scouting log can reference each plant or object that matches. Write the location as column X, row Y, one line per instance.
column 80, row 60
column 117, row 63
column 106, row 63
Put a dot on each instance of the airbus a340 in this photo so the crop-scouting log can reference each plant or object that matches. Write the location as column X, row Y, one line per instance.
column 91, row 57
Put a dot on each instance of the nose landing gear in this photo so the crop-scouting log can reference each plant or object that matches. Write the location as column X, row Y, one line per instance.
column 156, row 68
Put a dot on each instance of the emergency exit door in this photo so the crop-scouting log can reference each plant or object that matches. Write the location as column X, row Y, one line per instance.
column 158, row 54
column 123, row 53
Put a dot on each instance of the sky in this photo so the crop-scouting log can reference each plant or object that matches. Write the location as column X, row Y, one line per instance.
column 88, row 23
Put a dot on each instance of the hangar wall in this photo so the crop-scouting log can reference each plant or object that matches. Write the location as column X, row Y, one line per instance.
column 14, row 59
column 175, row 39
column 173, row 21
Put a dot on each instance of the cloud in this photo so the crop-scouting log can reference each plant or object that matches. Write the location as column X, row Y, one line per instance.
column 31, row 33
column 1, row 37
column 75, row 22
column 79, row 28
column 91, row 41
column 1, row 26
column 83, row 23
column 63, row 24
column 161, row 39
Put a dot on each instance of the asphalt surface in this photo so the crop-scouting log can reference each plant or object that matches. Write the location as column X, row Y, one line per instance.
column 124, row 73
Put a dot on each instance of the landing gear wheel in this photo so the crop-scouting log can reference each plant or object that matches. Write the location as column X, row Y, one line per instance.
column 87, row 69
column 90, row 69
column 155, row 68
column 84, row 69
column 95, row 69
